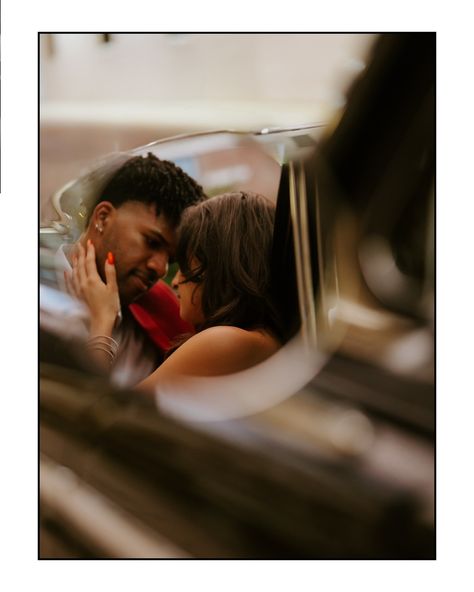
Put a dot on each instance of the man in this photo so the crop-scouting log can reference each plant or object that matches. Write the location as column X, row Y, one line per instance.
column 135, row 219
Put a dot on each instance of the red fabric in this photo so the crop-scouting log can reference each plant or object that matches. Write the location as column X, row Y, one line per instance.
column 157, row 312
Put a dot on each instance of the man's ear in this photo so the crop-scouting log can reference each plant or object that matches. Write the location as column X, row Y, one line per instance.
column 101, row 216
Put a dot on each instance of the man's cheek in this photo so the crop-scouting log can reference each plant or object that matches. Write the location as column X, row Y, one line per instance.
column 120, row 273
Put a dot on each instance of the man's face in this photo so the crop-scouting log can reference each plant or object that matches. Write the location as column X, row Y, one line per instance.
column 142, row 244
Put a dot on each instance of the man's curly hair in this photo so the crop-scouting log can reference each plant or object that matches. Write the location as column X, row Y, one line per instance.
column 153, row 181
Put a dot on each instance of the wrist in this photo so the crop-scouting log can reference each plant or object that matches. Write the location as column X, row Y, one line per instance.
column 101, row 327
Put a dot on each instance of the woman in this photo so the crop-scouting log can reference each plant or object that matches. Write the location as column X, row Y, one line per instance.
column 223, row 284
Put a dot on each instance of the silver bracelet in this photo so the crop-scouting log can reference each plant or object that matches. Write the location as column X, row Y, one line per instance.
column 105, row 344
column 104, row 339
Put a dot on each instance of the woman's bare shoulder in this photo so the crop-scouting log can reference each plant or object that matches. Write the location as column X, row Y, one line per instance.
column 229, row 340
column 230, row 335
column 217, row 351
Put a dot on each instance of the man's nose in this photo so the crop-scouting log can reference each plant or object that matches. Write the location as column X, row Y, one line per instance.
column 159, row 264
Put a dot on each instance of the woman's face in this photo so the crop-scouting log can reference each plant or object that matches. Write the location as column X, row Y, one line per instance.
column 189, row 295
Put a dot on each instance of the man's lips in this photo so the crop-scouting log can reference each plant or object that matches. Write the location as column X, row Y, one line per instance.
column 145, row 281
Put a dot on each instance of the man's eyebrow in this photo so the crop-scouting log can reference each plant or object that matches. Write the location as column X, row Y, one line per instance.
column 157, row 234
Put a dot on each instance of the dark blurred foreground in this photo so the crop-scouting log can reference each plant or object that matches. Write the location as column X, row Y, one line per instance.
column 243, row 488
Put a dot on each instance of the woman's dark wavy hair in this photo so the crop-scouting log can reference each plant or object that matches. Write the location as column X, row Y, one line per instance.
column 230, row 236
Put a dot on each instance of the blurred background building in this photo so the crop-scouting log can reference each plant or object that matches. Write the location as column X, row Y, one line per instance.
column 101, row 92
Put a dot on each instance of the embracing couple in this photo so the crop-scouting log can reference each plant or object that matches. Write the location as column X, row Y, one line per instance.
column 151, row 213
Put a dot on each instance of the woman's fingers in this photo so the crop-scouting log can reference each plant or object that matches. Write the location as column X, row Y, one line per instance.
column 81, row 266
column 74, row 278
column 90, row 262
column 110, row 274
column 111, row 278
column 102, row 298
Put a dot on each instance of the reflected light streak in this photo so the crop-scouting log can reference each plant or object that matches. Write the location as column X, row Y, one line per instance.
column 410, row 352
column 354, row 313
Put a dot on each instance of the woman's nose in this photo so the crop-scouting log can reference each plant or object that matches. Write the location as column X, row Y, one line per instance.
column 176, row 279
